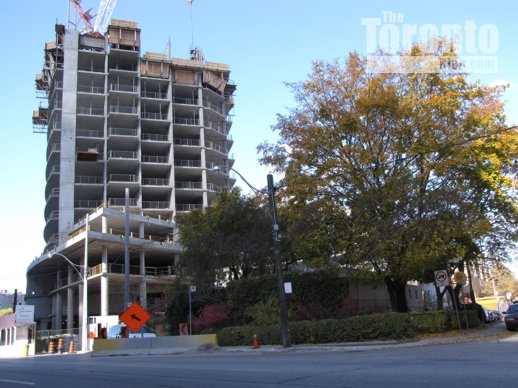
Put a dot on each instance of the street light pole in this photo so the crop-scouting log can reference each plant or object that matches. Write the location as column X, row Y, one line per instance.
column 283, row 312
column 285, row 328
column 84, row 314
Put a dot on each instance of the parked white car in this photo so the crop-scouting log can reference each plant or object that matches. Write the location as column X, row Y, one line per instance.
column 118, row 331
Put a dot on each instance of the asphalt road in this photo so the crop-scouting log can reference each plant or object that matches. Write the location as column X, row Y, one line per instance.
column 486, row 363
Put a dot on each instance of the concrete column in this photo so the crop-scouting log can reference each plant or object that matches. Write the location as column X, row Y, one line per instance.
column 80, row 304
column 104, row 224
column 143, row 285
column 70, row 300
column 58, row 316
column 68, row 132
column 203, row 145
column 105, row 308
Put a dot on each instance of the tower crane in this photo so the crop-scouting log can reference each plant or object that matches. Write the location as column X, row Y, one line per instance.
column 102, row 18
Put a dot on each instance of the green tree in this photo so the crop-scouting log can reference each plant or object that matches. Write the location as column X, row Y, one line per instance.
column 311, row 233
column 422, row 160
column 229, row 240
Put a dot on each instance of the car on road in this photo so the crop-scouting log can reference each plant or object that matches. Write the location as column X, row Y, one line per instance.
column 511, row 317
column 122, row 331
column 497, row 315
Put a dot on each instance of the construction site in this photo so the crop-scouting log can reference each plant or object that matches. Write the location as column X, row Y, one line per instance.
column 133, row 139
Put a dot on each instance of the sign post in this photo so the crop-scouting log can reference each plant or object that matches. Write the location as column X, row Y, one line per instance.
column 191, row 288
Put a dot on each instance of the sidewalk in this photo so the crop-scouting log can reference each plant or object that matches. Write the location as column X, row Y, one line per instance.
column 483, row 332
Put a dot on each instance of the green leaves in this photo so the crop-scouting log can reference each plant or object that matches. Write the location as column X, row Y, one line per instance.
column 418, row 166
column 230, row 239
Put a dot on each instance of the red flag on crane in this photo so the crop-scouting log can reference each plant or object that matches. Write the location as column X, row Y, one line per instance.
column 189, row 2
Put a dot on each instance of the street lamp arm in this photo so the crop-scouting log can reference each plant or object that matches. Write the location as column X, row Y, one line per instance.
column 256, row 191
column 75, row 266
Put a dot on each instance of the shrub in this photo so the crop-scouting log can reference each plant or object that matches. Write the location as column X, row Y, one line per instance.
column 264, row 314
column 473, row 319
column 430, row 321
column 361, row 328
column 212, row 316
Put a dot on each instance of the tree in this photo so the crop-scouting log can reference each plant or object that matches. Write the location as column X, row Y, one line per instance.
column 499, row 280
column 422, row 161
column 311, row 233
column 229, row 240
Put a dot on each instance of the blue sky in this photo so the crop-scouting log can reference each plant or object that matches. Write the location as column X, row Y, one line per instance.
column 266, row 43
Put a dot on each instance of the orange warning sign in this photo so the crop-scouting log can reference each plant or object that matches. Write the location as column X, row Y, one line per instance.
column 135, row 317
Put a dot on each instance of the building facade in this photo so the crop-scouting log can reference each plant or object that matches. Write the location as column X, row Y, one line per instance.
column 124, row 131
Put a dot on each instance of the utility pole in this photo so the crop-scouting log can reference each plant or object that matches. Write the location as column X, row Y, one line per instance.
column 285, row 328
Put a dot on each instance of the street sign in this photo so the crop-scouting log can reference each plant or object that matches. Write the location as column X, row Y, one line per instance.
column 135, row 317
column 460, row 277
column 441, row 278
column 24, row 313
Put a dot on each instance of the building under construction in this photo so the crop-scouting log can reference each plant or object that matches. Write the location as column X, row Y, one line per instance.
column 125, row 130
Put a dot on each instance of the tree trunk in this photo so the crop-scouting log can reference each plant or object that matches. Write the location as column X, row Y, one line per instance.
column 396, row 289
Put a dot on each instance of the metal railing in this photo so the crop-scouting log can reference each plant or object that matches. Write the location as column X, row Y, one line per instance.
column 122, row 154
column 155, row 95
column 214, row 107
column 155, row 205
column 53, row 170
column 153, row 115
column 189, row 185
column 83, row 110
column 186, row 121
column 155, row 159
column 89, row 180
column 196, row 186
column 122, row 178
column 221, row 128
column 123, row 109
column 123, row 88
column 90, row 89
column 54, row 193
column 122, row 131
column 121, row 201
column 213, row 187
column 89, row 133
column 92, row 69
column 87, row 203
column 154, row 137
column 53, row 216
column 187, row 142
column 155, row 182
column 216, row 147
column 187, row 163
column 185, row 101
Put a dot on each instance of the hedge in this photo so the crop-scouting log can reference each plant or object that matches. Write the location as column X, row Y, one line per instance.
column 360, row 328
column 385, row 326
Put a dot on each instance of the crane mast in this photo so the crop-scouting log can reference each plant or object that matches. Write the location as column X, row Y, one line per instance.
column 103, row 16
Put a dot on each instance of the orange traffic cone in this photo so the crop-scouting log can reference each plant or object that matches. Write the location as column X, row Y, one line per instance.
column 51, row 347
column 72, row 346
column 60, row 345
column 255, row 342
